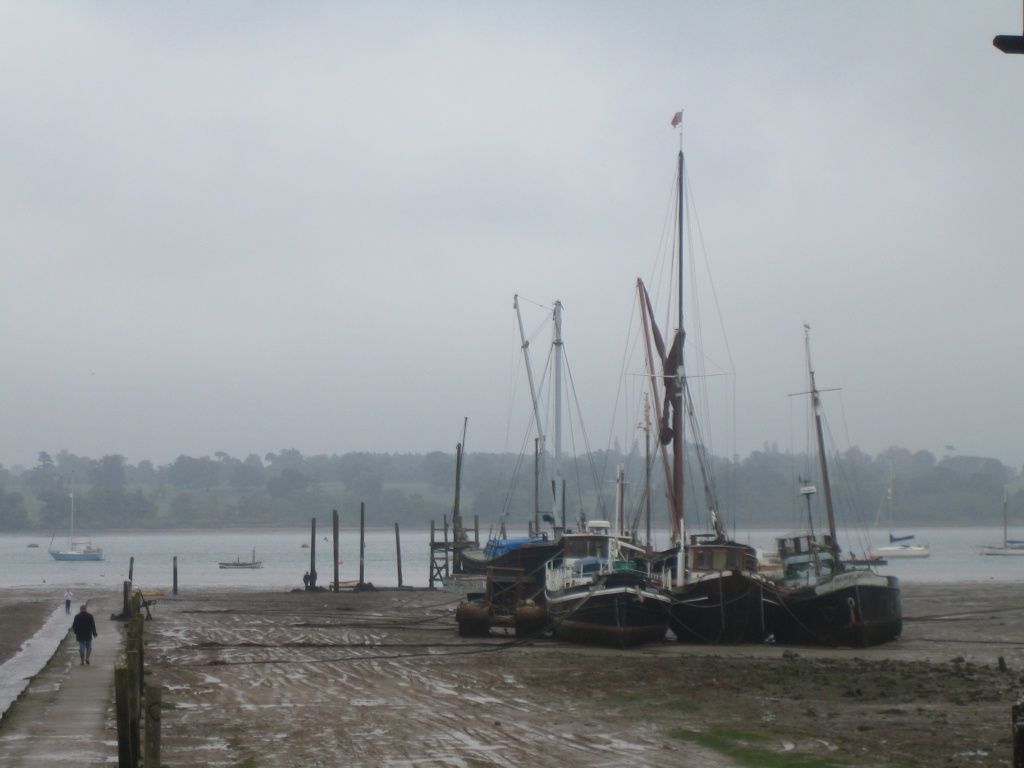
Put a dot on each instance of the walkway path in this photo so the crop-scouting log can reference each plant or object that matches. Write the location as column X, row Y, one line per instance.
column 66, row 715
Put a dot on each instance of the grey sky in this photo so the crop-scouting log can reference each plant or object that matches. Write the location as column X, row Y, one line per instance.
column 252, row 226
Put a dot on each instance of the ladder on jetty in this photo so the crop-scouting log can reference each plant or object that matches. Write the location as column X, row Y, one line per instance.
column 444, row 551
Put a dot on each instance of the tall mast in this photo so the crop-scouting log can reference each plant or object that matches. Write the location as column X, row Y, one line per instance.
column 71, row 495
column 559, row 483
column 822, row 460
column 678, row 422
column 647, row 466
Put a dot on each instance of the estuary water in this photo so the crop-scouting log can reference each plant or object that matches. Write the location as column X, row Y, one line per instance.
column 953, row 558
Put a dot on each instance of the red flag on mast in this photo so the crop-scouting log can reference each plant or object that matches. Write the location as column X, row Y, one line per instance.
column 677, row 118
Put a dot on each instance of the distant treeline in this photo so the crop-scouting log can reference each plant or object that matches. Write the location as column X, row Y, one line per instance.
column 287, row 488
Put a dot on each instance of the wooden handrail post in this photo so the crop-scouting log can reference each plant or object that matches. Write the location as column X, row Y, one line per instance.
column 122, row 687
column 151, row 756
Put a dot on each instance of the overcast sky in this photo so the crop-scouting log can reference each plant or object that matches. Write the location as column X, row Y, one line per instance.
column 244, row 227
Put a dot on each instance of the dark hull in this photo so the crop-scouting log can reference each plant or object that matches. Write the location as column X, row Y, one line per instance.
column 728, row 609
column 855, row 612
column 619, row 611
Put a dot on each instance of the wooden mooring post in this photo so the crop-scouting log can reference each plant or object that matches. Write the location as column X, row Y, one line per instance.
column 1017, row 724
column 398, row 555
column 362, row 542
column 174, row 589
column 312, row 554
column 131, row 567
column 334, row 584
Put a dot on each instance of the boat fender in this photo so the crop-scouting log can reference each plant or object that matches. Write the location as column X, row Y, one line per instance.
column 852, row 605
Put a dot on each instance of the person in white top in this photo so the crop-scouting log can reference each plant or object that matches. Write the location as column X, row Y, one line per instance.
column 68, row 597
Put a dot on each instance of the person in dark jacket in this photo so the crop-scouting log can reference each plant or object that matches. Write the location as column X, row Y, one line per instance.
column 84, row 627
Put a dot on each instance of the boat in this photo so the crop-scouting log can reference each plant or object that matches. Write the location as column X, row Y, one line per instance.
column 820, row 600
column 1009, row 547
column 33, row 545
column 716, row 585
column 899, row 546
column 601, row 588
column 239, row 563
column 77, row 551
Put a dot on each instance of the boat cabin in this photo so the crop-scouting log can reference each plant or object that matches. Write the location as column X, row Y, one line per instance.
column 720, row 556
column 806, row 558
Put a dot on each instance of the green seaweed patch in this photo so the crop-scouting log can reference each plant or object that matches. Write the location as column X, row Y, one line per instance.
column 744, row 749
column 656, row 701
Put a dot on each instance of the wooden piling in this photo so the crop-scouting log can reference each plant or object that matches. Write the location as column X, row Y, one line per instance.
column 151, row 753
column 122, row 688
column 447, row 569
column 362, row 541
column 431, row 554
column 131, row 567
column 398, row 555
column 312, row 553
column 334, row 584
column 1017, row 724
column 476, row 531
column 134, row 702
column 174, row 590
column 126, row 600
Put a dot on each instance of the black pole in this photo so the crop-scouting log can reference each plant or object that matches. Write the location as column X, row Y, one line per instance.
column 362, row 539
column 398, row 553
column 312, row 554
column 174, row 590
column 334, row 586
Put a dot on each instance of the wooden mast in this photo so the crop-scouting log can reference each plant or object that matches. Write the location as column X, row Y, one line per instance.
column 822, row 459
column 678, row 443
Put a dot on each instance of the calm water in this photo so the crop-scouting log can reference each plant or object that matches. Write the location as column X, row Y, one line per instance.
column 953, row 558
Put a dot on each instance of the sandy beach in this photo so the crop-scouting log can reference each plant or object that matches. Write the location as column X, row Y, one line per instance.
column 381, row 678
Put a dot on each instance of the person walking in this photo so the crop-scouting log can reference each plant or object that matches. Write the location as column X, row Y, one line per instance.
column 84, row 627
column 68, row 597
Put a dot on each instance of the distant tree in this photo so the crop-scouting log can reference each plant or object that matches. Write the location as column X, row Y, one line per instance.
column 246, row 474
column 13, row 515
column 109, row 473
column 288, row 482
column 438, row 469
column 44, row 478
column 187, row 472
column 142, row 474
column 289, row 458
column 187, row 509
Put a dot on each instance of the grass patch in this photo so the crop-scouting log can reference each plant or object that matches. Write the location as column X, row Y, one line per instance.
column 742, row 748
column 655, row 700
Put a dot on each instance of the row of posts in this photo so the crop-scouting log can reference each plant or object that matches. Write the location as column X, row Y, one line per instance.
column 137, row 702
column 310, row 582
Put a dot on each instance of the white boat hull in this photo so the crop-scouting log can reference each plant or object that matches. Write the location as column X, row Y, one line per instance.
column 1002, row 551
column 906, row 551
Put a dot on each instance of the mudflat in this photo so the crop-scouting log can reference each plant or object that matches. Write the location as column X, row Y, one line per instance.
column 382, row 678
column 22, row 612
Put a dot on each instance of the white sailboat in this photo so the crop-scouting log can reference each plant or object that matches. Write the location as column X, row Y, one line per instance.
column 899, row 546
column 1009, row 547
column 77, row 551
